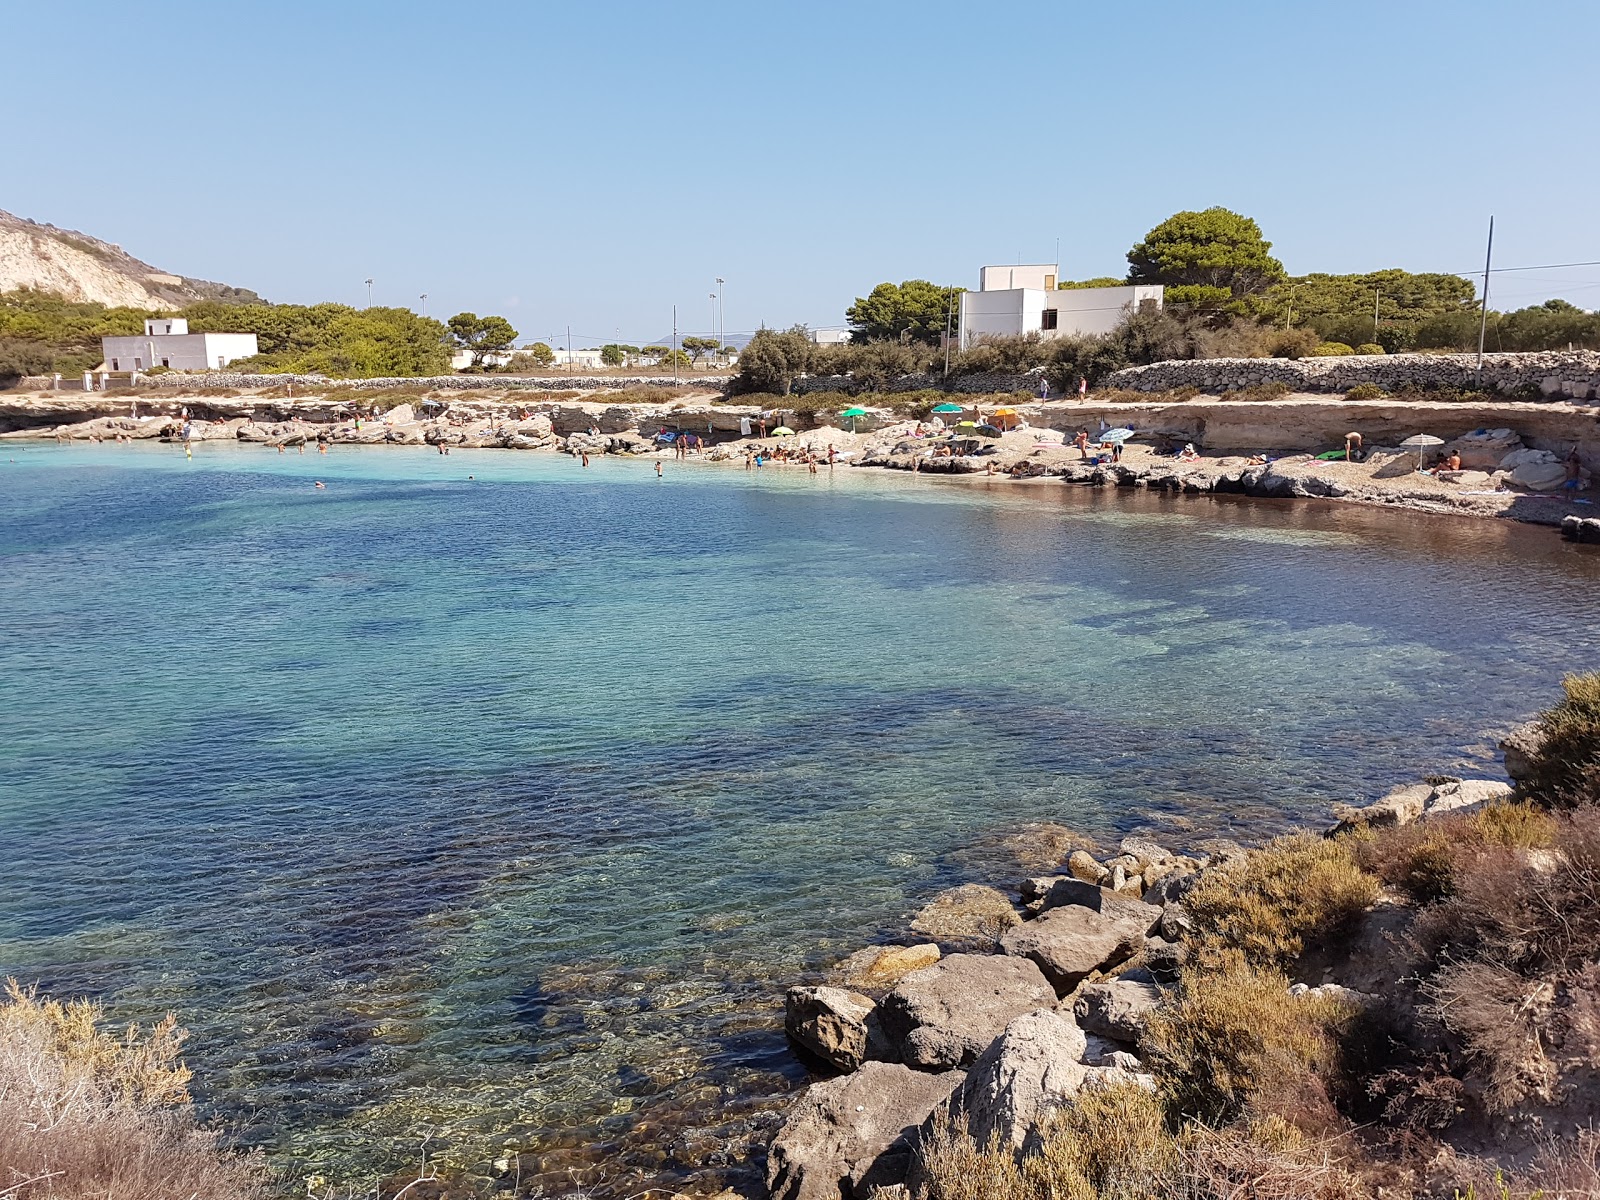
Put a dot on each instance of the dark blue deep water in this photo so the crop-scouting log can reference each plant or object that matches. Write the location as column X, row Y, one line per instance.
column 500, row 811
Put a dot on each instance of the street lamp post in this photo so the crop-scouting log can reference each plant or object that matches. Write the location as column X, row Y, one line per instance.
column 424, row 299
column 721, row 322
column 369, row 293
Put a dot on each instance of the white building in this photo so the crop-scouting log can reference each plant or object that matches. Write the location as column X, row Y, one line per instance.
column 830, row 337
column 1024, row 299
column 167, row 342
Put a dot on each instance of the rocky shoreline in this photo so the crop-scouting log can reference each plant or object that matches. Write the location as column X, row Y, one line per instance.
column 1511, row 467
column 1010, row 1008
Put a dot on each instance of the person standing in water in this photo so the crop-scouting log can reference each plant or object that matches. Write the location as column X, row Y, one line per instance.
column 658, row 470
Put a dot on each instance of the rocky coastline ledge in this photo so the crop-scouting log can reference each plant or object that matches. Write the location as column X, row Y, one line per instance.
column 1513, row 453
column 1400, row 1005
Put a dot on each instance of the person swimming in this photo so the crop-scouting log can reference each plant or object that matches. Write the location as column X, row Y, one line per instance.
column 320, row 485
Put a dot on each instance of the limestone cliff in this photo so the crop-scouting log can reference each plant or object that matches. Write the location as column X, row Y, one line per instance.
column 79, row 267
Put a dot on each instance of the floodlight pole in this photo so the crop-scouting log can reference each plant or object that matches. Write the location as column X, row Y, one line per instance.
column 1483, row 318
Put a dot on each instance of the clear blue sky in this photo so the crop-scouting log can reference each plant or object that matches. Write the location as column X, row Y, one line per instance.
column 594, row 164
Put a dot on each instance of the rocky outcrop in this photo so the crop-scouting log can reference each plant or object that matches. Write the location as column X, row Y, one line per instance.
column 1036, row 1064
column 1411, row 802
column 849, row 1135
column 1520, row 747
column 830, row 1024
column 945, row 1015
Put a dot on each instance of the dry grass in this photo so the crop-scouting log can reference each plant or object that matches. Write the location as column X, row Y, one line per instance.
column 1425, row 859
column 87, row 1114
column 1114, row 1144
column 1234, row 1041
column 1272, row 904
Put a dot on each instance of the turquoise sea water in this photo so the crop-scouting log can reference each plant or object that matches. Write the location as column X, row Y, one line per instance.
column 500, row 811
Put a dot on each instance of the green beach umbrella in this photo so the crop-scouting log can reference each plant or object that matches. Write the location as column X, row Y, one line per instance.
column 947, row 408
column 783, row 431
column 966, row 424
column 854, row 412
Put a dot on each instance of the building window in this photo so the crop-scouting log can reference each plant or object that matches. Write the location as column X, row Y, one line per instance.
column 165, row 363
column 138, row 364
column 1047, row 319
column 114, row 366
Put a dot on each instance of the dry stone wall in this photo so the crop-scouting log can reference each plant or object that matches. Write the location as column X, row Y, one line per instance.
column 1557, row 375
column 441, row 383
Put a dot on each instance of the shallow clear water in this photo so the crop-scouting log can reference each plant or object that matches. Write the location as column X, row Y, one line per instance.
column 500, row 811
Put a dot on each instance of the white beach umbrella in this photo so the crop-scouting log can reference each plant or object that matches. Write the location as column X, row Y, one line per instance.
column 1421, row 443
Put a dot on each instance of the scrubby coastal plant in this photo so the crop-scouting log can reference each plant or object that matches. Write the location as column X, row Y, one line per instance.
column 84, row 1113
column 1274, row 902
column 1370, row 348
column 1330, row 350
column 1566, row 768
column 1425, row 859
column 1365, row 391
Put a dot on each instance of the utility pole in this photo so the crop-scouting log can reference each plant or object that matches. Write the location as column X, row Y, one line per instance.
column 949, row 304
column 722, row 325
column 1376, row 294
column 674, row 345
column 1483, row 319
column 569, row 349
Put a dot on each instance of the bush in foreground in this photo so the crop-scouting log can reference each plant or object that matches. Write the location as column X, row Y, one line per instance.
column 1566, row 768
column 86, row 1114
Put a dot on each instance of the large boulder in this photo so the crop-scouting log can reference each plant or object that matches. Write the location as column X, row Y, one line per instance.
column 829, row 1023
column 1032, row 1067
column 946, row 1015
column 1074, row 893
column 885, row 966
column 1400, row 806
column 1483, row 449
column 848, row 1135
column 1117, row 1008
column 1521, row 747
column 1467, row 793
column 1069, row 944
column 971, row 914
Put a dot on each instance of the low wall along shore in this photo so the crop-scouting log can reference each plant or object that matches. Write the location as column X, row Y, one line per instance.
column 1571, row 375
column 464, row 383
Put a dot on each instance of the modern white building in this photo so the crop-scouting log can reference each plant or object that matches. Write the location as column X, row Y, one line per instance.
column 830, row 337
column 167, row 342
column 1024, row 299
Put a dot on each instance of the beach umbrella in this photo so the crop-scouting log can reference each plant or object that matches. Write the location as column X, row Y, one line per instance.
column 1421, row 442
column 430, row 403
column 988, row 431
column 853, row 413
column 1116, row 435
column 783, row 431
column 946, row 408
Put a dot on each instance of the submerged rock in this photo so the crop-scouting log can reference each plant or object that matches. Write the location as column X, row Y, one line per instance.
column 885, row 966
column 966, row 915
column 947, row 1014
column 848, row 1135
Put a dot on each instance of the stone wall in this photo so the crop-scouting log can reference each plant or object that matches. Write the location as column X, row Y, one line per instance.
column 439, row 383
column 965, row 384
column 1561, row 375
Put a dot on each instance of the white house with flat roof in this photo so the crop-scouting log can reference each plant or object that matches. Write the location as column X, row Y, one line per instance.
column 167, row 342
column 1025, row 299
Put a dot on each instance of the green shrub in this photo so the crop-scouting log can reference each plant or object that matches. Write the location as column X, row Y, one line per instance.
column 1292, row 343
column 1330, row 350
column 1365, row 391
column 1235, row 1041
column 1273, row 903
column 1565, row 770
column 1370, row 348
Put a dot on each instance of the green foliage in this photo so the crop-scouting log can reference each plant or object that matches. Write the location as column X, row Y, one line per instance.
column 1198, row 297
column 1293, row 892
column 1215, row 249
column 1330, row 350
column 40, row 332
column 772, row 360
column 23, row 356
column 915, row 310
column 1145, row 336
column 614, row 354
column 541, row 353
column 1339, row 308
column 1101, row 281
column 696, row 346
column 1292, row 343
column 1370, row 348
column 1365, row 391
column 329, row 339
column 1565, row 770
column 481, row 336
column 1274, row 390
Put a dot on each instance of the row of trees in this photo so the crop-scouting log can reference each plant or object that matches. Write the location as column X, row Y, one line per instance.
column 1223, row 283
column 40, row 332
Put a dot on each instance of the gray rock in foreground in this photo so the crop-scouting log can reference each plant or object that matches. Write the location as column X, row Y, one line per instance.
column 1117, row 1008
column 946, row 1015
column 1034, row 1066
column 848, row 1135
column 1068, row 944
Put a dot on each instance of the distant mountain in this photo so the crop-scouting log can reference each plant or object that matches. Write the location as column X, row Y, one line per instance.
column 79, row 267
